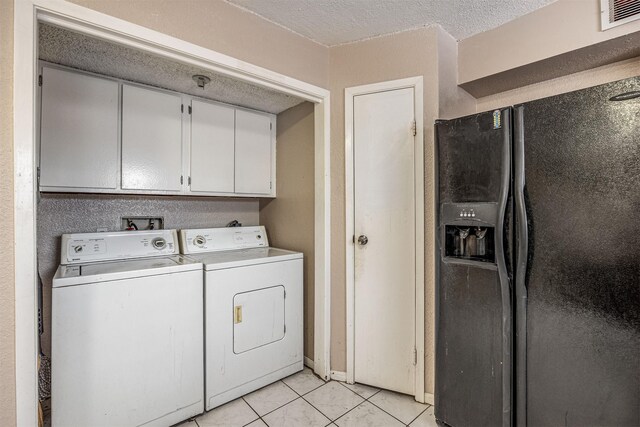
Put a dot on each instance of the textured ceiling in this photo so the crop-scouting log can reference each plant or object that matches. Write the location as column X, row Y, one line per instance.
column 333, row 22
column 64, row 47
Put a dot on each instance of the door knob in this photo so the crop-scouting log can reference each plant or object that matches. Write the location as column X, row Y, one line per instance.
column 363, row 240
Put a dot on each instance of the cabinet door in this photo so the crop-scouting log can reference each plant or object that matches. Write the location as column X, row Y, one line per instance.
column 79, row 131
column 212, row 147
column 151, row 140
column 253, row 153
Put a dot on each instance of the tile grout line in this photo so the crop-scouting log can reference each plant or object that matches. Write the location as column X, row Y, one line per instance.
column 325, row 415
column 297, row 394
column 389, row 413
column 313, row 389
column 254, row 411
column 418, row 416
column 383, row 410
column 365, row 400
column 301, row 396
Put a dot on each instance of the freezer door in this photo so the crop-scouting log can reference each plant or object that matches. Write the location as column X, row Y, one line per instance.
column 581, row 278
column 473, row 298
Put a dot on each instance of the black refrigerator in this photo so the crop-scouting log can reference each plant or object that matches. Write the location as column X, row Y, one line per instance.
column 538, row 293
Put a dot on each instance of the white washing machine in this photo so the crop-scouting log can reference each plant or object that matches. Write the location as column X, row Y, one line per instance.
column 127, row 331
column 253, row 310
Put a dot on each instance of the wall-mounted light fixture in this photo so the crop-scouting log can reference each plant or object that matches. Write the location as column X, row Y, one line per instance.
column 201, row 80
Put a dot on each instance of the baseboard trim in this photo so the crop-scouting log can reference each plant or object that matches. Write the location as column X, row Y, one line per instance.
column 308, row 362
column 339, row 376
column 429, row 398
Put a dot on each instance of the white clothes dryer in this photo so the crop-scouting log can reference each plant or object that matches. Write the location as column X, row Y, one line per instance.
column 127, row 331
column 253, row 310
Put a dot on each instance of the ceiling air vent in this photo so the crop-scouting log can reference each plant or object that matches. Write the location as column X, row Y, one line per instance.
column 618, row 12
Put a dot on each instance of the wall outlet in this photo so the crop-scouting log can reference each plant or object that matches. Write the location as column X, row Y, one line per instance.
column 131, row 223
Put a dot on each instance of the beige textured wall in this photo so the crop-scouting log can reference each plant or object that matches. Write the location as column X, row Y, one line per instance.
column 7, row 336
column 560, row 27
column 453, row 101
column 289, row 217
column 608, row 73
column 407, row 54
column 217, row 25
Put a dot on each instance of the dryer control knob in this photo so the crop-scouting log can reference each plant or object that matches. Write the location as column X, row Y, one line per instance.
column 199, row 241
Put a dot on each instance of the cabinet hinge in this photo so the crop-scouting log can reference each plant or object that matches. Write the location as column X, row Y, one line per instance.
column 415, row 356
column 181, row 179
column 270, row 185
column 38, row 175
column 40, row 80
column 285, row 329
column 414, row 129
column 182, row 108
column 189, row 109
column 285, row 294
column 189, row 180
column 270, row 126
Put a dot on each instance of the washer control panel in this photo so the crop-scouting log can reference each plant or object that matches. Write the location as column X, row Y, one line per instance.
column 222, row 239
column 88, row 247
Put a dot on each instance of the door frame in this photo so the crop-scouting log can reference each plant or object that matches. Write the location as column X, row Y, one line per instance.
column 350, row 93
column 90, row 22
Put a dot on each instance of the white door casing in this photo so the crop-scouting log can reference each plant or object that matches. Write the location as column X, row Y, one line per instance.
column 385, row 276
column 27, row 13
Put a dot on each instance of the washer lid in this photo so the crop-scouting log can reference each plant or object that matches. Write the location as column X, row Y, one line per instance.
column 243, row 257
column 80, row 274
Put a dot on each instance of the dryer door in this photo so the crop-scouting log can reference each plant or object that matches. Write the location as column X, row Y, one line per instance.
column 258, row 318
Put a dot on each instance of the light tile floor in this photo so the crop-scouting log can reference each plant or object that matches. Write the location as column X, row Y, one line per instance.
column 305, row 400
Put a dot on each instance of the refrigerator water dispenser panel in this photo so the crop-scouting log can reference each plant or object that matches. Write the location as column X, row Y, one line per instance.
column 474, row 243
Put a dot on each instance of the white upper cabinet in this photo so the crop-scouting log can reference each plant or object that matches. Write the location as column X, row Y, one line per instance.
column 103, row 135
column 212, row 147
column 151, row 140
column 79, row 131
column 253, row 160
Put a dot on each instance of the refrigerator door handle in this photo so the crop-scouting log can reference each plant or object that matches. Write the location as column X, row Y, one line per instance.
column 505, row 285
column 522, row 239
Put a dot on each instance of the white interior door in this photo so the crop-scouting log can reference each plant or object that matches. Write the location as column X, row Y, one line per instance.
column 384, row 254
column 151, row 139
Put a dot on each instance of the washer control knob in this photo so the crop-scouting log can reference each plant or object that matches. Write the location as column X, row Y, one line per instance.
column 159, row 243
column 199, row 241
column 77, row 249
